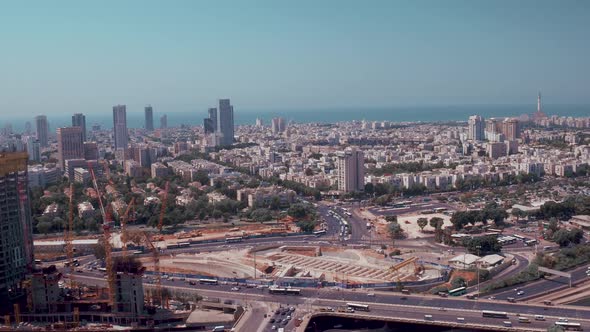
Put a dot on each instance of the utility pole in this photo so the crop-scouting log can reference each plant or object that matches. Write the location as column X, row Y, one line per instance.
column 254, row 265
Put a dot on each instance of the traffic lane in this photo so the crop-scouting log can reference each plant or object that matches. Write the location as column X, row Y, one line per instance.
column 542, row 286
column 471, row 318
column 248, row 294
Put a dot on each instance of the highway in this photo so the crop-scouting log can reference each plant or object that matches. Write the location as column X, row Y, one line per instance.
column 393, row 304
column 540, row 287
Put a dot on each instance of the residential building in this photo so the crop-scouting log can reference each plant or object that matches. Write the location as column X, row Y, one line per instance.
column 82, row 175
column 90, row 151
column 86, row 210
column 40, row 176
column 159, row 170
column 34, row 149
column 79, row 120
column 45, row 291
column 351, row 170
column 475, row 128
column 69, row 144
column 133, row 168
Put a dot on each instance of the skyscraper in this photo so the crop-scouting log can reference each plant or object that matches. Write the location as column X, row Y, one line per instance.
column 351, row 170
column 16, row 238
column 539, row 114
column 120, row 126
column 225, row 122
column 476, row 127
column 511, row 129
column 69, row 144
column 79, row 120
column 278, row 125
column 33, row 149
column 42, row 130
column 149, row 118
column 210, row 123
column 164, row 121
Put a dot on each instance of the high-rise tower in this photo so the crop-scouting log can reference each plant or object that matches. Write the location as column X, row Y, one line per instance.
column 149, row 118
column 539, row 102
column 16, row 238
column 351, row 170
column 225, row 121
column 69, row 144
column 120, row 126
column 79, row 120
column 42, row 130
column 476, row 126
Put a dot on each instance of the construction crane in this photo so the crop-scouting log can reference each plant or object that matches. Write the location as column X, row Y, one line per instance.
column 163, row 210
column 107, row 242
column 69, row 237
column 124, row 218
column 156, row 256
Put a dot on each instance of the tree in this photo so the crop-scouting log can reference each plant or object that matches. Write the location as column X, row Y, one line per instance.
column 391, row 218
column 99, row 251
column 436, row 222
column 482, row 245
column 306, row 225
column 261, row 215
column 422, row 222
column 458, row 282
column 395, row 231
column 297, row 211
column 562, row 237
column 43, row 227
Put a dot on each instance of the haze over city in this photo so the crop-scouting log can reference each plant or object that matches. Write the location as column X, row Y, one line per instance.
column 71, row 56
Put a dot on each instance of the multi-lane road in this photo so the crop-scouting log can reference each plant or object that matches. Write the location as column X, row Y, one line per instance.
column 386, row 304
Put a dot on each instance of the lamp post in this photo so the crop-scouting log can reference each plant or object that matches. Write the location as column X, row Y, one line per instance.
column 477, row 267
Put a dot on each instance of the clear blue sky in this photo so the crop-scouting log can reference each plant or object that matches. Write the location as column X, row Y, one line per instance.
column 85, row 56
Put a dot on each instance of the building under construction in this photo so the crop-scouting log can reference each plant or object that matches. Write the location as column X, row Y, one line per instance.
column 16, row 239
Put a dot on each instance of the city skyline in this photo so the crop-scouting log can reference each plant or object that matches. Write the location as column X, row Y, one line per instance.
column 338, row 54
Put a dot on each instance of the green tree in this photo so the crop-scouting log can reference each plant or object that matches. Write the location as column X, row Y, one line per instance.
column 297, row 211
column 306, row 225
column 395, row 231
column 43, row 227
column 422, row 222
column 458, row 282
column 482, row 245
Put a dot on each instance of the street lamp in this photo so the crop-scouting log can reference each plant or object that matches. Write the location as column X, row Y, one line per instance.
column 477, row 267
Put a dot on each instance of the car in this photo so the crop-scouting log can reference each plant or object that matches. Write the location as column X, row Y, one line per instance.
column 520, row 293
column 442, row 309
column 272, row 320
column 371, row 294
column 491, row 298
column 283, row 313
column 350, row 310
column 288, row 318
column 562, row 319
column 235, row 289
column 274, row 327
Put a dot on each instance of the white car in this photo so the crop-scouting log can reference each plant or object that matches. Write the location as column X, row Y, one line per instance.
column 235, row 289
column 561, row 319
column 520, row 293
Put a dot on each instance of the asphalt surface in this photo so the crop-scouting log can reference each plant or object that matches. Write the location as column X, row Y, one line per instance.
column 541, row 287
column 399, row 305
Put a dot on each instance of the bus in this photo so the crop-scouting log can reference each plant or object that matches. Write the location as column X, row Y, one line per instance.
column 137, row 252
column 102, row 269
column 283, row 290
column 495, row 230
column 531, row 242
column 519, row 237
column 569, row 326
column 357, row 306
column 234, row 239
column 38, row 262
column 458, row 291
column 320, row 232
column 494, row 314
column 440, row 209
column 208, row 281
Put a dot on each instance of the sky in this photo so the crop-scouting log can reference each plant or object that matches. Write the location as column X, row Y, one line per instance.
column 60, row 57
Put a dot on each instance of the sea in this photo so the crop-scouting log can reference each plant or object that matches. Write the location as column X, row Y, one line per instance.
column 135, row 117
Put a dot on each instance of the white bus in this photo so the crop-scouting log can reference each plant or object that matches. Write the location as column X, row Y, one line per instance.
column 234, row 239
column 357, row 306
column 494, row 314
column 208, row 281
column 521, row 238
column 320, row 232
column 569, row 326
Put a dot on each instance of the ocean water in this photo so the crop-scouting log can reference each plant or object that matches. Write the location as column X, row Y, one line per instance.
column 135, row 118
